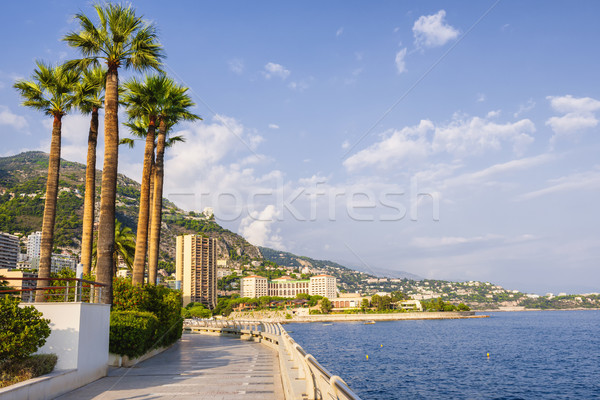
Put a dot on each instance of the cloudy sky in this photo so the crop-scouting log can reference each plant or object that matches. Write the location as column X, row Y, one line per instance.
column 450, row 140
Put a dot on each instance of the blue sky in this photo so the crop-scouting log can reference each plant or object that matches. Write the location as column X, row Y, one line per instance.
column 450, row 140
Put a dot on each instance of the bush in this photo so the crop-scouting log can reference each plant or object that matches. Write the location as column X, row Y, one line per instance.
column 15, row 371
column 161, row 301
column 132, row 333
column 22, row 329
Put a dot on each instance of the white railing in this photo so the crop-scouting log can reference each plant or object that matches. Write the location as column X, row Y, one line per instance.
column 302, row 375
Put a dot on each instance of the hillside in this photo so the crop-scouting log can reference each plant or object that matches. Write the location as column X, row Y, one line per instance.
column 22, row 188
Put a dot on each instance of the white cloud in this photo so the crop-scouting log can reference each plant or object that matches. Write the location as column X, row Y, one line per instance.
column 480, row 97
column 276, row 70
column 273, row 126
column 395, row 147
column 461, row 137
column 13, row 120
column 400, row 63
column 475, row 135
column 345, row 144
column 339, row 32
column 236, row 66
column 432, row 31
column 575, row 182
column 488, row 173
column 524, row 108
column 257, row 228
column 430, row 242
column 579, row 114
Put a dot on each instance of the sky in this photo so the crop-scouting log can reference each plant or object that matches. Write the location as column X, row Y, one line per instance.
column 452, row 140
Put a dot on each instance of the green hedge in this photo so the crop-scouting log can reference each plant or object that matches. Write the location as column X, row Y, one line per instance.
column 162, row 302
column 132, row 333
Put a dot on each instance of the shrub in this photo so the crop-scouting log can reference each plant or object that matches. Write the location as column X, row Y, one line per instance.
column 15, row 371
column 132, row 333
column 161, row 301
column 22, row 329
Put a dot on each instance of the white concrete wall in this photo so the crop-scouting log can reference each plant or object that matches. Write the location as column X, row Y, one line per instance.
column 79, row 338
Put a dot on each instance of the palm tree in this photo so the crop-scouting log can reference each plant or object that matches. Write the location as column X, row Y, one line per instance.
column 143, row 106
column 124, row 247
column 140, row 128
column 50, row 91
column 89, row 99
column 120, row 39
column 175, row 107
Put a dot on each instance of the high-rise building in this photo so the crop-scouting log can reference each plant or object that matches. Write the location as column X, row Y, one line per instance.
column 34, row 243
column 196, row 268
column 9, row 250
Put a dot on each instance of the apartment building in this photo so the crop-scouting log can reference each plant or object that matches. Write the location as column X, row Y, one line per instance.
column 196, row 269
column 9, row 250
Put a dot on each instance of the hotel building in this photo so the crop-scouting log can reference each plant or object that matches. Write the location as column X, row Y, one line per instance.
column 196, row 269
column 256, row 286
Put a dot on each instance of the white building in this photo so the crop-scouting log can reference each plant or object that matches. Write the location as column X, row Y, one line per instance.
column 257, row 286
column 34, row 244
column 9, row 250
column 254, row 286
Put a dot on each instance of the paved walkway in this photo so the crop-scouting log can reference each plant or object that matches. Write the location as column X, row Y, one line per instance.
column 198, row 367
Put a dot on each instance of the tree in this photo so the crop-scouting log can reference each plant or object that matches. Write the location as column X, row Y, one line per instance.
column 124, row 247
column 174, row 108
column 364, row 305
column 141, row 128
column 22, row 329
column 51, row 91
column 325, row 305
column 120, row 38
column 89, row 98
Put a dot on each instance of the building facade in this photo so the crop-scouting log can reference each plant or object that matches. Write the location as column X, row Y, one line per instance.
column 254, row 286
column 196, row 269
column 9, row 250
column 257, row 286
column 34, row 243
column 20, row 283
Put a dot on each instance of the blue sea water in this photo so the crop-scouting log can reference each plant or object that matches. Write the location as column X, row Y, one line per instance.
column 533, row 355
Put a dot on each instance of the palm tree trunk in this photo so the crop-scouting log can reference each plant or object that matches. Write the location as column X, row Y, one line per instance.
column 106, row 227
column 49, row 208
column 156, row 218
column 141, row 242
column 90, row 195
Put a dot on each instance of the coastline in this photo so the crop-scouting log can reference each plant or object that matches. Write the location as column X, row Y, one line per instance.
column 521, row 309
column 274, row 317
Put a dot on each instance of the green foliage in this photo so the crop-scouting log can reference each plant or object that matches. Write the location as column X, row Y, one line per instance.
column 288, row 316
column 22, row 329
column 313, row 300
column 325, row 305
column 439, row 305
column 161, row 301
column 15, row 371
column 132, row 333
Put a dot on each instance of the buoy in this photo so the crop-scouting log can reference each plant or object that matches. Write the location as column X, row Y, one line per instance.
column 367, row 356
column 488, row 355
column 381, row 345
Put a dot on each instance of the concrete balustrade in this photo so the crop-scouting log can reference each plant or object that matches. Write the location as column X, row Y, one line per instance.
column 303, row 377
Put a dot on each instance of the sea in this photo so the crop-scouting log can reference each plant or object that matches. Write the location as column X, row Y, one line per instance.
column 510, row 355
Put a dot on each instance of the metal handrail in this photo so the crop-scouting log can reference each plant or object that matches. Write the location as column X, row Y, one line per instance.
column 82, row 291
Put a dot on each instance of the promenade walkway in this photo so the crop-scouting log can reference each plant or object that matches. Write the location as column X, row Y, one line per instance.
column 197, row 367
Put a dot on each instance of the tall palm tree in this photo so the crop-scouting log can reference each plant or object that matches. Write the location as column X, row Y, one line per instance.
column 89, row 99
column 143, row 106
column 119, row 39
column 50, row 91
column 175, row 108
column 140, row 128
